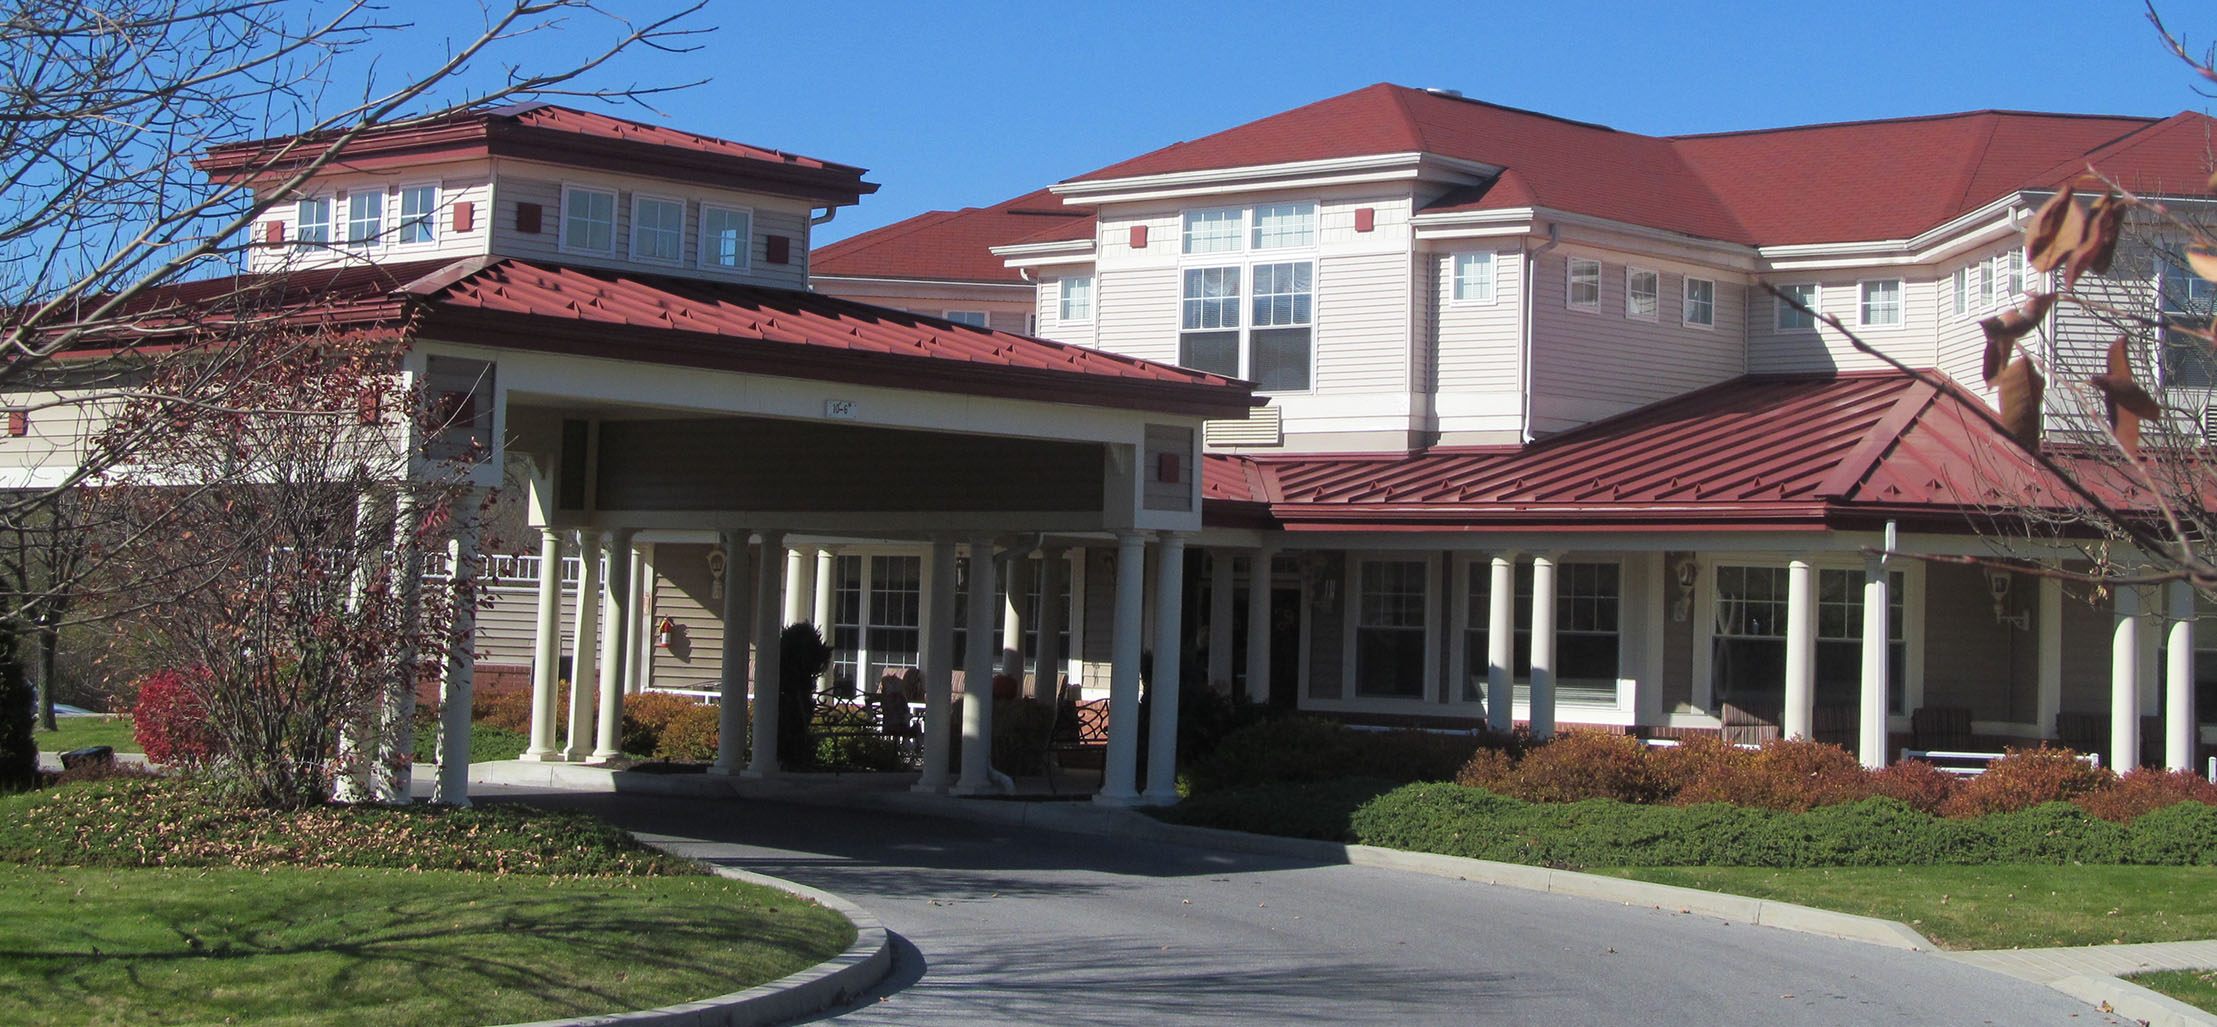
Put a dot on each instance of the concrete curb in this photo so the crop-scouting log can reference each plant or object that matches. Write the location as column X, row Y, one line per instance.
column 2133, row 1002
column 834, row 982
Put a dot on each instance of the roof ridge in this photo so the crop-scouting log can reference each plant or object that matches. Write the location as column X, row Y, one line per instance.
column 1913, row 119
column 2115, row 147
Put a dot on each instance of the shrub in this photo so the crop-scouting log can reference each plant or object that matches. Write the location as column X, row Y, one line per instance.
column 169, row 720
column 510, row 709
column 1914, row 783
column 847, row 739
column 1486, row 768
column 1795, row 775
column 1308, row 809
column 1289, row 749
column 646, row 716
column 1585, row 765
column 2184, row 834
column 1677, row 767
column 691, row 734
column 2024, row 778
column 2145, row 790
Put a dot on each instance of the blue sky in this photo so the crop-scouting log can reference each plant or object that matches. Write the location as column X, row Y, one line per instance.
column 959, row 104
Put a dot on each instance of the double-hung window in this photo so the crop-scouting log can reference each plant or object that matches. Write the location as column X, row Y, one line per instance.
column 1588, row 597
column 1473, row 274
column 2185, row 300
column 1959, row 286
column 727, row 237
column 1748, row 662
column 419, row 215
column 588, row 220
column 1701, row 302
column 1389, row 628
column 1641, row 289
column 657, row 229
column 312, row 222
column 1880, row 304
column 1254, row 319
column 1074, row 298
column 365, row 217
column 1789, row 318
column 1583, row 284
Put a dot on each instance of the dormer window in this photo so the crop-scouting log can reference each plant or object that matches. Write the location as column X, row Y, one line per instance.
column 419, row 209
column 1282, row 225
column 312, row 222
column 727, row 237
column 588, row 220
column 1213, row 231
column 365, row 217
column 657, row 229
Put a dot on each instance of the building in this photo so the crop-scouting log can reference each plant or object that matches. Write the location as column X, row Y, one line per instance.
column 1540, row 443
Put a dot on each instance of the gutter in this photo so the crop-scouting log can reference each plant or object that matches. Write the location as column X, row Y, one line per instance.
column 1524, row 345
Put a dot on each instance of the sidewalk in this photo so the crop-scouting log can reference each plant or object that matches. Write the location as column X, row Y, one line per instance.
column 2089, row 973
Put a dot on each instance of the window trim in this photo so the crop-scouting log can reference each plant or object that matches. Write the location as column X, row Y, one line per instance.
column 1485, row 298
column 1244, row 307
column 330, row 208
column 1863, row 303
column 1686, row 303
column 677, row 258
column 1704, row 626
column 701, row 251
column 378, row 236
column 1238, row 235
column 1780, row 311
column 1062, row 299
column 401, row 217
column 1570, row 284
column 562, row 240
column 1655, row 295
column 1350, row 613
column 1252, row 216
column 1959, row 292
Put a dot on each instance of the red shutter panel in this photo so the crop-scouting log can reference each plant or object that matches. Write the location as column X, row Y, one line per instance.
column 19, row 423
column 1139, row 237
column 1366, row 218
column 780, row 248
column 465, row 217
column 527, row 218
column 273, row 233
column 1166, row 468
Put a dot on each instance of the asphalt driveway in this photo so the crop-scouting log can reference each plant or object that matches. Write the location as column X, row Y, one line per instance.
column 1001, row 925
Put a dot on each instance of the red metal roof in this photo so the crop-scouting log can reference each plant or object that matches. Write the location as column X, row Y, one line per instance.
column 559, row 135
column 954, row 244
column 791, row 332
column 1768, row 451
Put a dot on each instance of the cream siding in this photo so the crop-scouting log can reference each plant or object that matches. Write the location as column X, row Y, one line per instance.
column 543, row 186
column 1049, row 313
column 1142, row 320
column 1590, row 364
column 467, row 184
column 1839, row 293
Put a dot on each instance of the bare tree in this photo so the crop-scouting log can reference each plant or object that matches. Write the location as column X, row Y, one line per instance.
column 103, row 106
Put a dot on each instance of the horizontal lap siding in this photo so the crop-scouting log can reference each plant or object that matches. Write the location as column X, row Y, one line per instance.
column 1049, row 312
column 472, row 188
column 1770, row 351
column 1142, row 321
column 545, row 245
column 1362, row 324
column 508, row 629
column 1478, row 342
column 683, row 592
column 1588, row 364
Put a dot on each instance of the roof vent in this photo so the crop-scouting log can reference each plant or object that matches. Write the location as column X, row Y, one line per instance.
column 1263, row 426
column 1437, row 91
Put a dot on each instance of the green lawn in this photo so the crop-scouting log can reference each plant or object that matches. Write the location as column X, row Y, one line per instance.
column 161, row 946
column 78, row 732
column 1989, row 907
column 2197, row 988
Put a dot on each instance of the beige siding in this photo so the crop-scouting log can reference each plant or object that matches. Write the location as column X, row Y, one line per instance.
column 543, row 186
column 1993, row 669
column 471, row 184
column 1049, row 312
column 1141, row 320
column 684, row 592
column 1362, row 324
column 1589, row 364
column 1770, row 351
column 1478, row 342
column 508, row 629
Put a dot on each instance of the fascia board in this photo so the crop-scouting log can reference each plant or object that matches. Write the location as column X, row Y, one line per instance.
column 1297, row 174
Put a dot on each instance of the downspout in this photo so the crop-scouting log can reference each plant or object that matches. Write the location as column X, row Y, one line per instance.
column 1524, row 352
column 823, row 218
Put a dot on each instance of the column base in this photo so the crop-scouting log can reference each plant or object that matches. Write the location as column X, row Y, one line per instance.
column 926, row 788
column 541, row 756
column 759, row 774
column 1125, row 800
column 1159, row 798
column 719, row 770
column 603, row 755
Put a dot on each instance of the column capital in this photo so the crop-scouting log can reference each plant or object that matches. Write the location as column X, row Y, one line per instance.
column 772, row 537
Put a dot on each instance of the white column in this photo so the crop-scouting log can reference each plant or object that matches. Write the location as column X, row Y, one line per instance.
column 582, row 640
column 1047, row 676
column 636, row 673
column 458, row 688
column 608, row 743
column 1258, row 623
column 1871, row 718
column 2124, row 682
column 391, row 777
column 825, row 581
column 1501, row 644
column 1016, row 615
column 1543, row 645
column 800, row 585
column 358, row 736
column 1122, row 760
column 2179, row 725
column 1799, row 719
column 731, row 719
column 1220, row 618
column 977, row 675
column 547, row 653
column 1162, row 725
column 768, row 608
column 936, row 636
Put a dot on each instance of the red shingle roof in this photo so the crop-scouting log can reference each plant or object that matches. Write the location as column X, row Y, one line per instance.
column 1814, row 452
column 954, row 244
